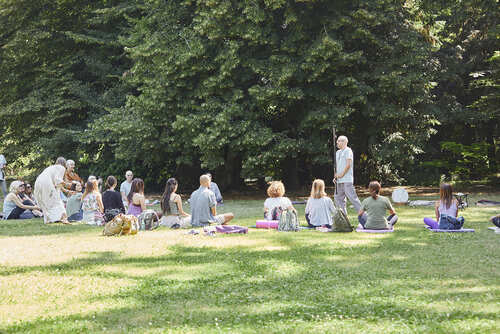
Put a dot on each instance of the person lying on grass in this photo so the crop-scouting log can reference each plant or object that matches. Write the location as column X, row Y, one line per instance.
column 446, row 209
column 276, row 201
column 203, row 206
column 13, row 207
column 373, row 210
column 319, row 207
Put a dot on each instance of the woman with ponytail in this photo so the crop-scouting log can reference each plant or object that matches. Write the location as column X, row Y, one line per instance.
column 373, row 210
column 171, row 206
column 112, row 199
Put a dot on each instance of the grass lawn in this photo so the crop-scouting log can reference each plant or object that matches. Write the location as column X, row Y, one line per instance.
column 69, row 279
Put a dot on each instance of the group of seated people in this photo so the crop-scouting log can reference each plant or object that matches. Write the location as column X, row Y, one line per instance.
column 371, row 216
column 20, row 203
column 320, row 207
column 203, row 203
column 85, row 202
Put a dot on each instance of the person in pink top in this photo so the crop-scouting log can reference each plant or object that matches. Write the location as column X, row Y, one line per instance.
column 446, row 211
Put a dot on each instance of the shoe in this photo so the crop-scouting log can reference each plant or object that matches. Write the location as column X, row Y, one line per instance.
column 175, row 226
column 194, row 232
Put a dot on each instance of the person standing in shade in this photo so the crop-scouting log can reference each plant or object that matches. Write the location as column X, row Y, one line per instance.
column 3, row 182
column 344, row 176
column 203, row 206
column 126, row 186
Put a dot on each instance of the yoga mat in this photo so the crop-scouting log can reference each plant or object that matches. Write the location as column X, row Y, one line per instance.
column 267, row 224
column 362, row 230
column 462, row 230
column 229, row 229
column 487, row 202
column 494, row 229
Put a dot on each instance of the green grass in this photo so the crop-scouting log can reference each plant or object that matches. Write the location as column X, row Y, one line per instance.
column 69, row 279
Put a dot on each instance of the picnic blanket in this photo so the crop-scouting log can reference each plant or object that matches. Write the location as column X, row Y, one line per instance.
column 462, row 230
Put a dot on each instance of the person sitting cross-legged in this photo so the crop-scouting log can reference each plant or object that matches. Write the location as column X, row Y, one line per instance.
column 74, row 204
column 112, row 200
column 319, row 207
column 446, row 209
column 276, row 201
column 171, row 205
column 215, row 188
column 13, row 207
column 203, row 206
column 373, row 210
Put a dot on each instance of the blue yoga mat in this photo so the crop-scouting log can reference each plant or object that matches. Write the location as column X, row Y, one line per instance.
column 462, row 230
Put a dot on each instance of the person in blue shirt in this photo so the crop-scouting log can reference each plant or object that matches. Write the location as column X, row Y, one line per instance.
column 203, row 206
column 215, row 188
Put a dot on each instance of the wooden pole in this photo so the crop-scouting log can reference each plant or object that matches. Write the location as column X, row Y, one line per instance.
column 334, row 157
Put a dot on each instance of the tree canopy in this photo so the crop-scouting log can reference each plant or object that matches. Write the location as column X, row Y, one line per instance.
column 253, row 88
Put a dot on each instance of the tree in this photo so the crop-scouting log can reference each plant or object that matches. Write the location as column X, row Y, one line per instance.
column 60, row 68
column 251, row 89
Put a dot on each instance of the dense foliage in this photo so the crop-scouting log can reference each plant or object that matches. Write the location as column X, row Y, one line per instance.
column 251, row 89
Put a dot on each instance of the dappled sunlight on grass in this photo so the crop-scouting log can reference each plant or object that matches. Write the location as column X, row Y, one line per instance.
column 266, row 281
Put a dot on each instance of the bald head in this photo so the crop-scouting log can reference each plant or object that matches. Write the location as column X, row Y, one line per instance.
column 205, row 180
column 342, row 142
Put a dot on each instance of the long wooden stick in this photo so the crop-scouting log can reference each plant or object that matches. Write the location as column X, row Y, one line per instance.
column 334, row 157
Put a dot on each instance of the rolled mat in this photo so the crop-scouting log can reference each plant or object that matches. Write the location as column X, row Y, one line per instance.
column 362, row 230
column 267, row 224
column 462, row 230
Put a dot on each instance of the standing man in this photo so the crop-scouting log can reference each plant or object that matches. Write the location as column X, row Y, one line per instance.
column 203, row 206
column 344, row 176
column 3, row 182
column 125, row 186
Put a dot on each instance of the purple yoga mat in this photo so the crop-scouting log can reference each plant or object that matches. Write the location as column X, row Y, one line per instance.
column 373, row 231
column 229, row 229
column 462, row 230
column 267, row 224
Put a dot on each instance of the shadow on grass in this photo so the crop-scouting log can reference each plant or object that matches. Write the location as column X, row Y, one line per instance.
column 275, row 291
column 36, row 227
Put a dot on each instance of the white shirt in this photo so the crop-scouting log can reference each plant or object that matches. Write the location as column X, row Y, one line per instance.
column 341, row 158
column 125, row 187
column 3, row 162
column 273, row 202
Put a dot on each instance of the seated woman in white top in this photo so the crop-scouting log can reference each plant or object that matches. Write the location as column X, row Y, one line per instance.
column 319, row 207
column 276, row 202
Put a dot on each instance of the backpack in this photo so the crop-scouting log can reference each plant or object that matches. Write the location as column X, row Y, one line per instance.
column 288, row 221
column 276, row 213
column 121, row 225
column 340, row 221
column 148, row 220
